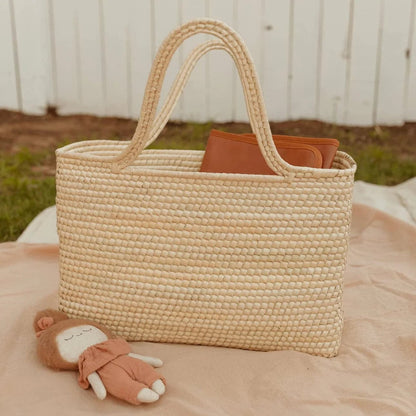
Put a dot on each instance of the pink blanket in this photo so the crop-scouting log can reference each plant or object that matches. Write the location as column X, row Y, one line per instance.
column 374, row 374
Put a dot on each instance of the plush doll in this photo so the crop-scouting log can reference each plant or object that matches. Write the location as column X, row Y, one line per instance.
column 104, row 361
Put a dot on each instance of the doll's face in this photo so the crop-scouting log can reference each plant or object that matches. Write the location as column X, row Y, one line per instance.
column 74, row 341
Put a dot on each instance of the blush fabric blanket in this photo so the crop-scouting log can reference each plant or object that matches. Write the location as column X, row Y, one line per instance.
column 374, row 373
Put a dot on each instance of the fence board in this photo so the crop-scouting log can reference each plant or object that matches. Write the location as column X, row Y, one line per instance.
column 141, row 52
column 389, row 107
column 195, row 96
column 303, row 100
column 276, row 58
column 166, row 18
column 249, row 25
column 89, row 53
column 29, row 18
column 67, row 80
column 221, row 69
column 363, row 67
column 334, row 56
column 50, row 56
column 116, row 58
column 9, row 96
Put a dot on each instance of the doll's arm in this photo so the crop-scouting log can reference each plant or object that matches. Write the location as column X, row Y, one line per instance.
column 154, row 362
column 97, row 385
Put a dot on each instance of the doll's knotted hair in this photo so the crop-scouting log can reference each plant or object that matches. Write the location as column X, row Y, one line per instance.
column 46, row 318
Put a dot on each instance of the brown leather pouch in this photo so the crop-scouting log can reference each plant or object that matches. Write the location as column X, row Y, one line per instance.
column 327, row 147
column 239, row 153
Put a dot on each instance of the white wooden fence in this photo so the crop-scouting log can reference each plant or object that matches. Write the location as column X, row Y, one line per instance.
column 342, row 61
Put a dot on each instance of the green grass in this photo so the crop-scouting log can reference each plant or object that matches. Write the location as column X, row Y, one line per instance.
column 381, row 166
column 26, row 188
column 24, row 192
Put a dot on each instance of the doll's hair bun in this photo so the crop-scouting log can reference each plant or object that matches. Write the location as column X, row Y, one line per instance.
column 45, row 322
column 46, row 318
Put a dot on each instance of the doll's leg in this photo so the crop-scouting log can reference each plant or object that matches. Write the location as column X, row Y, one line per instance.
column 140, row 371
column 146, row 374
column 120, row 384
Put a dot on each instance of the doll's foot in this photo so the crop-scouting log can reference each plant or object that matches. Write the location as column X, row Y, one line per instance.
column 159, row 387
column 147, row 396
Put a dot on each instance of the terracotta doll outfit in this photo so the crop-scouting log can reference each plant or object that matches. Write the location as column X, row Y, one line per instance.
column 123, row 376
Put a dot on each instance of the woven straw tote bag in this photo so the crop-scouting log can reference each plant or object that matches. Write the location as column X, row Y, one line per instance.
column 158, row 251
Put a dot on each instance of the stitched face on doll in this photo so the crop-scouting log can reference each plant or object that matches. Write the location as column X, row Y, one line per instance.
column 72, row 342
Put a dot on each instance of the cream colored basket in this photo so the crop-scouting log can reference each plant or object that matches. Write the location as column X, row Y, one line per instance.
column 159, row 251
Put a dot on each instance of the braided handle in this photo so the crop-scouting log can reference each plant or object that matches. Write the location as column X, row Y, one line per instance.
column 179, row 84
column 252, row 91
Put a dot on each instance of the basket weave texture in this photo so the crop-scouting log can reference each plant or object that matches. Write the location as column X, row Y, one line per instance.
column 158, row 251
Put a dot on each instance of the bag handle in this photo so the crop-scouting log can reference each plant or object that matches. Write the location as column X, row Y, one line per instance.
column 251, row 86
column 178, row 86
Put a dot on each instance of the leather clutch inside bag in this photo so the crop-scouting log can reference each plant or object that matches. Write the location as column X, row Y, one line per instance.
column 240, row 153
